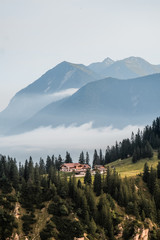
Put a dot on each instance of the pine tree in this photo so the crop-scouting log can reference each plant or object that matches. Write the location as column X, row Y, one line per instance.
column 92, row 226
column 79, row 184
column 87, row 158
column 152, row 180
column 59, row 162
column 88, row 177
column 101, row 157
column 158, row 153
column 97, row 184
column 26, row 171
column 13, row 174
column 81, row 158
column 143, row 215
column 149, row 150
column 158, row 170
column 68, row 158
column 42, row 169
column 146, row 173
column 91, row 200
column 107, row 158
column 95, row 158
column 109, row 226
column 48, row 164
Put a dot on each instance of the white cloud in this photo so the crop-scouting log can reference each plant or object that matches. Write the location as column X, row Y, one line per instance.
column 47, row 141
column 64, row 93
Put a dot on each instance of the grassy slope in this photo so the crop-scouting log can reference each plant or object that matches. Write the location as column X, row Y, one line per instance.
column 126, row 168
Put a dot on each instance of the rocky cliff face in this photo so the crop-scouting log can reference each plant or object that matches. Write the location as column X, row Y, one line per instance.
column 142, row 234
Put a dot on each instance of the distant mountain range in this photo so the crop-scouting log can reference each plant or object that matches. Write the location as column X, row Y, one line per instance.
column 53, row 99
column 131, row 67
column 104, row 102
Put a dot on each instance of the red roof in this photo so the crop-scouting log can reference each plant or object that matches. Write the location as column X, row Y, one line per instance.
column 99, row 166
column 75, row 165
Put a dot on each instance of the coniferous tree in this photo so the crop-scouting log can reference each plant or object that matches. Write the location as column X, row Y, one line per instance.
column 79, row 184
column 97, row 184
column 146, row 173
column 107, row 156
column 26, row 171
column 101, row 157
column 68, row 158
column 48, row 164
column 81, row 158
column 158, row 170
column 152, row 179
column 91, row 200
column 36, row 176
column 109, row 225
column 158, row 153
column 87, row 158
column 92, row 226
column 31, row 169
column 88, row 177
column 148, row 150
column 13, row 175
column 95, row 158
column 42, row 169
column 58, row 162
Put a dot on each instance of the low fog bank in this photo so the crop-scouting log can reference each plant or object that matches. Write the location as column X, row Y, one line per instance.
column 48, row 141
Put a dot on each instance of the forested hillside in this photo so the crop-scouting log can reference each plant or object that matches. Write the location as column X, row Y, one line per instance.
column 139, row 146
column 37, row 201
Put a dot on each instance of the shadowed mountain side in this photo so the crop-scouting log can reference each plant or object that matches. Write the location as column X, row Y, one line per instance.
column 105, row 102
column 124, row 69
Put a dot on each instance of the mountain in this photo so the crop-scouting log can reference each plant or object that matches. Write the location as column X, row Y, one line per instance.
column 127, row 68
column 64, row 76
column 61, row 81
column 100, row 67
column 104, row 102
column 101, row 101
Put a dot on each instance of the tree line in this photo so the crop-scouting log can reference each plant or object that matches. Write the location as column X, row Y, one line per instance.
column 93, row 200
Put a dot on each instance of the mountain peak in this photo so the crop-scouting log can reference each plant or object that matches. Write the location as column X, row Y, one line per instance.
column 108, row 61
column 134, row 59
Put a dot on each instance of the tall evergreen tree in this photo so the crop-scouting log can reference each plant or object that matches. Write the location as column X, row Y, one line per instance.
column 42, row 169
column 101, row 157
column 87, row 158
column 158, row 170
column 96, row 160
column 88, row 177
column 159, row 153
column 81, row 158
column 48, row 164
column 68, row 158
column 97, row 184
column 146, row 173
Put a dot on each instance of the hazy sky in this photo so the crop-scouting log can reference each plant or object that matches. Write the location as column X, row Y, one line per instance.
column 35, row 35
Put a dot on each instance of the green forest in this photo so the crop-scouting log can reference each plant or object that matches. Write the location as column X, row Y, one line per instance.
column 38, row 201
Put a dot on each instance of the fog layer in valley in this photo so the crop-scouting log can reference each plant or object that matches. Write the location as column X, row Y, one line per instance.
column 48, row 141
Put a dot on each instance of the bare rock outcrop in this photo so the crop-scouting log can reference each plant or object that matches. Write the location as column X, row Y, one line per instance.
column 142, row 234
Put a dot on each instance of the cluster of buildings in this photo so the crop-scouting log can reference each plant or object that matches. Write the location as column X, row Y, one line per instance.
column 80, row 169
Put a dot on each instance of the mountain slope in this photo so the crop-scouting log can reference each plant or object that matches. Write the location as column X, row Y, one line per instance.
column 127, row 168
column 124, row 69
column 105, row 102
column 65, row 75
column 63, row 79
